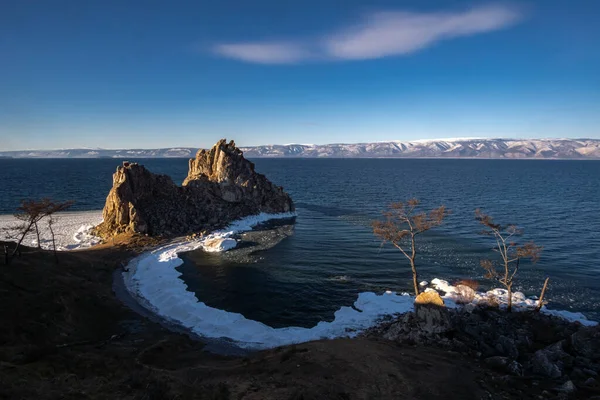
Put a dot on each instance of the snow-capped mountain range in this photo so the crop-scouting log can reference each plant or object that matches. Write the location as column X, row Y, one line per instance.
column 442, row 148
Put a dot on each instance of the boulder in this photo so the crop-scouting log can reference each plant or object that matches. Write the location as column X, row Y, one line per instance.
column 590, row 382
column 464, row 294
column 549, row 361
column 505, row 364
column 507, row 346
column 567, row 387
column 429, row 297
column 586, row 343
column 221, row 186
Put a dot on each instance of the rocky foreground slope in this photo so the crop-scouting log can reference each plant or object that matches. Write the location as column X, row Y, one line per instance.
column 221, row 186
column 84, row 343
column 522, row 345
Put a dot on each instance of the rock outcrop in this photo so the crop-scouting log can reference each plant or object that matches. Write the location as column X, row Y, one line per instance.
column 221, row 186
column 519, row 344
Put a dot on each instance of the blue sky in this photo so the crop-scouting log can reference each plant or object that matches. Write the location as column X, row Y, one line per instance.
column 117, row 74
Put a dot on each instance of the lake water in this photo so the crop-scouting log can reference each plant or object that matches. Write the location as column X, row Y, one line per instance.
column 333, row 255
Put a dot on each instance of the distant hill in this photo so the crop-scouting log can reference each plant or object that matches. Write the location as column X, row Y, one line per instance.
column 444, row 148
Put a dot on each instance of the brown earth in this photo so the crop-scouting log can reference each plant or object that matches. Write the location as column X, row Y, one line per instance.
column 64, row 335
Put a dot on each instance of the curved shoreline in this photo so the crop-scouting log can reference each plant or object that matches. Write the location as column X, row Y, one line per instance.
column 216, row 346
column 153, row 281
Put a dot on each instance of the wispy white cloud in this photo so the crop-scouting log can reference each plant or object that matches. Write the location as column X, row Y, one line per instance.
column 264, row 52
column 378, row 35
column 395, row 33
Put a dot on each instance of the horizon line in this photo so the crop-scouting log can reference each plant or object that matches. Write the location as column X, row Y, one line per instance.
column 457, row 139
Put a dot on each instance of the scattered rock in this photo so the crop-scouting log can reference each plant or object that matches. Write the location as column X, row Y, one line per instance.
column 590, row 382
column 432, row 318
column 221, row 186
column 586, row 343
column 567, row 387
column 423, row 283
column 548, row 362
column 505, row 364
column 470, row 307
column 508, row 346
column 541, row 346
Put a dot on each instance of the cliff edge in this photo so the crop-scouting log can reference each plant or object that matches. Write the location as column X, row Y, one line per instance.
column 221, row 186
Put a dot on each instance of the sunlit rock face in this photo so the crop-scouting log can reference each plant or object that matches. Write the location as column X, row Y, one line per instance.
column 221, row 186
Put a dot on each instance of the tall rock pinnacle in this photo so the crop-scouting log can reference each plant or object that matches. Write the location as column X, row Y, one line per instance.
column 221, row 186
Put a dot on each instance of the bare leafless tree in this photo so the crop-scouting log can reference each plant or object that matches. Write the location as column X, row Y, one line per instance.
column 541, row 300
column 51, row 221
column 403, row 223
column 31, row 212
column 511, row 253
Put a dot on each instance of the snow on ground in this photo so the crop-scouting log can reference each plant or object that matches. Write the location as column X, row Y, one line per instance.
column 72, row 230
column 454, row 297
column 153, row 280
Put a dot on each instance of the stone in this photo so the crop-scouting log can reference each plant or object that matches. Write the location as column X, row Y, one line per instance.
column 548, row 362
column 464, row 294
column 221, row 186
column 432, row 318
column 508, row 346
column 469, row 307
column 430, row 297
column 505, row 364
column 583, row 362
column 586, row 343
column 578, row 374
column 567, row 387
column 590, row 382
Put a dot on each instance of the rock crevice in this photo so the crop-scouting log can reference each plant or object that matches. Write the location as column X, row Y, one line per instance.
column 221, row 186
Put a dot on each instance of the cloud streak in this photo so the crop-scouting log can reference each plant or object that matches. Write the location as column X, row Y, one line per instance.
column 381, row 34
column 264, row 52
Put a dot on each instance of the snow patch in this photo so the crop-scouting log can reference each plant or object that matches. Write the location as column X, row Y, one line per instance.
column 520, row 302
column 219, row 244
column 72, row 230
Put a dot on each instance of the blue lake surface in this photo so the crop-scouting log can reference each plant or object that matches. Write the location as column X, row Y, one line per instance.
column 298, row 282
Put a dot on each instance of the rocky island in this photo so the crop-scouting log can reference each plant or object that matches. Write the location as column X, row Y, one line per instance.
column 221, row 186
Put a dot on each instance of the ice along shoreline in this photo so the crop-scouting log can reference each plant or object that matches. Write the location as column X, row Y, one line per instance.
column 153, row 280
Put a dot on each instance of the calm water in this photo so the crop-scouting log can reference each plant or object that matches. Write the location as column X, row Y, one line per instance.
column 299, row 282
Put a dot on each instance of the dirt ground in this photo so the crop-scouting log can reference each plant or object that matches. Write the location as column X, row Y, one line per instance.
column 64, row 335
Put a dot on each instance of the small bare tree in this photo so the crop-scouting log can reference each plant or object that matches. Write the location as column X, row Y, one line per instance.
column 403, row 222
column 541, row 300
column 31, row 212
column 511, row 253
column 51, row 222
